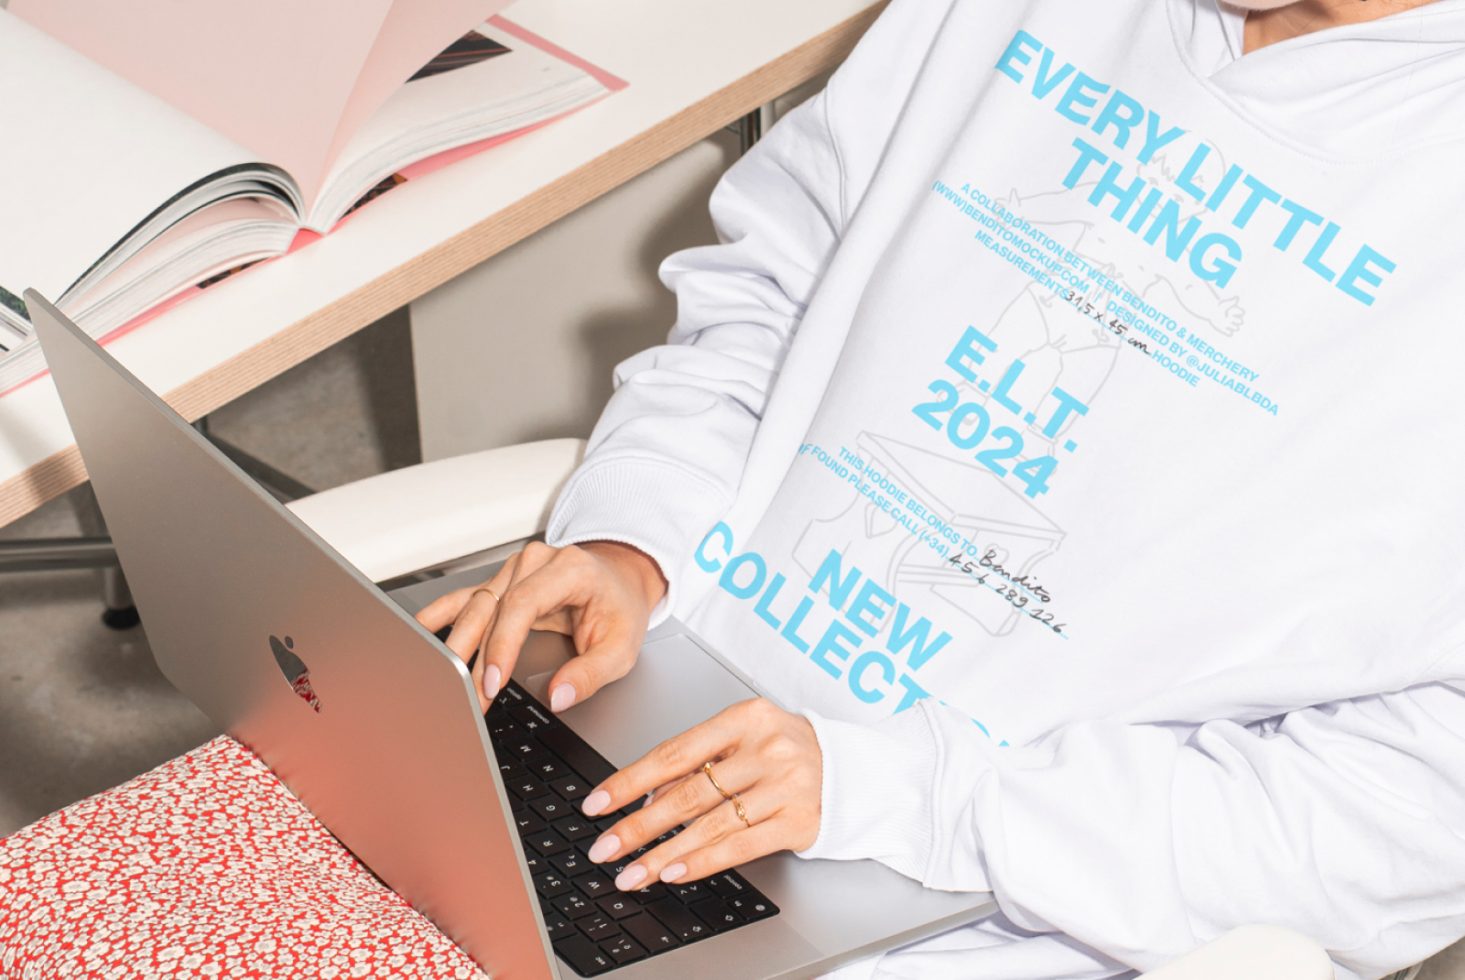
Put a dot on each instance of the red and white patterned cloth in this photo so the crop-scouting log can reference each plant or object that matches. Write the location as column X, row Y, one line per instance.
column 204, row 867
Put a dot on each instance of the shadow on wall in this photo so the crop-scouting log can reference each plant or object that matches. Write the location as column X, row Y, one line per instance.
column 608, row 332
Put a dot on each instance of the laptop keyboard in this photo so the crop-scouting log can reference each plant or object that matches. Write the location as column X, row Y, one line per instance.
column 548, row 770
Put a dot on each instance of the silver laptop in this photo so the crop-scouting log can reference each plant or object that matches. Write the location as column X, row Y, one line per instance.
column 374, row 724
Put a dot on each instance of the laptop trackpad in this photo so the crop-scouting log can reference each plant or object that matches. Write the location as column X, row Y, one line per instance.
column 674, row 686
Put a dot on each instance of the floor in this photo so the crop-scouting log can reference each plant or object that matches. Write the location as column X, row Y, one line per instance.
column 83, row 707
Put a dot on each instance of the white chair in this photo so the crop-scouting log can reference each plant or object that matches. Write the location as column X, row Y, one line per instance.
column 1253, row 952
column 421, row 518
column 446, row 514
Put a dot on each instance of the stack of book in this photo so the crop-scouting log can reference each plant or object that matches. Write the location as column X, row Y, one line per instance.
column 155, row 149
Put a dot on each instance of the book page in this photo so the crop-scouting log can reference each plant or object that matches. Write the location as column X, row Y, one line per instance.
column 289, row 80
column 413, row 32
column 88, row 158
column 487, row 83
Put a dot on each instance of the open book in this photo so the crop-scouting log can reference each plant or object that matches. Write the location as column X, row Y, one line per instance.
column 147, row 157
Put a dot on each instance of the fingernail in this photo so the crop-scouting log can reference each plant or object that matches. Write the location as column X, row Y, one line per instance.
column 493, row 678
column 673, row 871
column 631, row 878
column 561, row 697
column 604, row 848
column 595, row 802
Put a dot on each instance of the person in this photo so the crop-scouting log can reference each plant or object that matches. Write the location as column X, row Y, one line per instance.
column 1060, row 434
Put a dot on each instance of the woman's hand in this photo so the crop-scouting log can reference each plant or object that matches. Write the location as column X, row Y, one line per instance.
column 600, row 593
column 766, row 756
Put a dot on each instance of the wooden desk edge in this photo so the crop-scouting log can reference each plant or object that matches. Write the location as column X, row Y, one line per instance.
column 63, row 470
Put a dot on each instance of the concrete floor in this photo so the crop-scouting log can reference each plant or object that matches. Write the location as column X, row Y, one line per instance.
column 83, row 708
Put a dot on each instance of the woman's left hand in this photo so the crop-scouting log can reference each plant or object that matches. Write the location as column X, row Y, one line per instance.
column 768, row 757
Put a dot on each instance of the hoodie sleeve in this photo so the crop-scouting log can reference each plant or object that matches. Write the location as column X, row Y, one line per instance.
column 667, row 454
column 1345, row 822
column 666, row 458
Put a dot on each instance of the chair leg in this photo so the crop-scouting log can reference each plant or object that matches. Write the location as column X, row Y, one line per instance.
column 118, row 610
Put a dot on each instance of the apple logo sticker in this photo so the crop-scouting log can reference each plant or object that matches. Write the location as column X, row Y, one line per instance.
column 297, row 674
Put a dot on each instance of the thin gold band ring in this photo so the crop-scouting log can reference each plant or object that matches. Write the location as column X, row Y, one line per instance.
column 707, row 768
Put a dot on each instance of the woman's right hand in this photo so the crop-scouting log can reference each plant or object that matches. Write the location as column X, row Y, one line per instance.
column 600, row 593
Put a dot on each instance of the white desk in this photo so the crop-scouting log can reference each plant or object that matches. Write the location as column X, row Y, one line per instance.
column 693, row 66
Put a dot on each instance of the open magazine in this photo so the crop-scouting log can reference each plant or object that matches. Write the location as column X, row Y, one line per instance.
column 114, row 200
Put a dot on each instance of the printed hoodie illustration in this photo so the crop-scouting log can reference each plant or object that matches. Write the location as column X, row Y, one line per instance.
column 1065, row 422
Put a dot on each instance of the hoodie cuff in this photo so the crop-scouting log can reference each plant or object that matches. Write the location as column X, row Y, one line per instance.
column 653, row 506
column 876, row 800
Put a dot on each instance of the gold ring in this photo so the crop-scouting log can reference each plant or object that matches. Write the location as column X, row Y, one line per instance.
column 489, row 591
column 707, row 768
column 738, row 809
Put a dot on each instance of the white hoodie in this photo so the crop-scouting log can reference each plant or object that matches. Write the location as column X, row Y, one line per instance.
column 1069, row 423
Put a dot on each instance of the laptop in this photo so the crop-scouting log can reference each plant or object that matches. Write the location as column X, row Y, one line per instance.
column 375, row 725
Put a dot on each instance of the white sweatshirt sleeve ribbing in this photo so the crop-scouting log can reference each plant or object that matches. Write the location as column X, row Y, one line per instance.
column 1340, row 821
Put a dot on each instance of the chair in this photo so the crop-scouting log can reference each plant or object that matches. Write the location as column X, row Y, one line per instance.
column 427, row 517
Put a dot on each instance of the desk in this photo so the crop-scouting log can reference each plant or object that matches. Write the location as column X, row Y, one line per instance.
column 693, row 67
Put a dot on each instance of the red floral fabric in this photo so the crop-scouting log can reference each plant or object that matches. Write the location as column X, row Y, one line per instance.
column 204, row 867
column 303, row 689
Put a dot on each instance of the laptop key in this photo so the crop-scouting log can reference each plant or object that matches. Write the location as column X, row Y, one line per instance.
column 529, row 823
column 526, row 787
column 501, row 728
column 550, row 807
column 571, row 863
column 547, row 767
column 587, row 958
column 680, row 920
column 752, row 908
column 595, row 885
column 623, row 950
column 649, row 894
column 572, row 788
column 527, row 715
column 726, row 885
column 522, row 748
column 717, row 915
column 689, row 892
column 618, row 906
column 650, row 932
column 551, row 884
column 548, row 843
column 557, row 926
column 573, row 906
column 614, row 870
column 574, row 828
column 598, row 926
